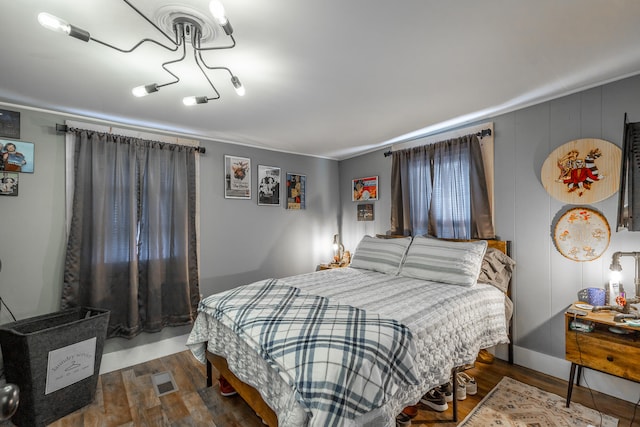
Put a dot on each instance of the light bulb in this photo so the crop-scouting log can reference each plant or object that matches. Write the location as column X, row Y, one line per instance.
column 193, row 100
column 54, row 23
column 238, row 86
column 144, row 90
column 139, row 91
column 217, row 10
column 615, row 276
column 58, row 25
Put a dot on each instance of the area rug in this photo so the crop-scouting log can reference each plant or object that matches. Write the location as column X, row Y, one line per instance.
column 512, row 403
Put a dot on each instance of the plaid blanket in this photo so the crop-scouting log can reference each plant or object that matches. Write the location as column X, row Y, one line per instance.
column 341, row 360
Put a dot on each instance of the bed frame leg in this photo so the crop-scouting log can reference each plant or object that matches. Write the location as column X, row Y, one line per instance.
column 454, row 376
column 454, row 419
column 209, row 374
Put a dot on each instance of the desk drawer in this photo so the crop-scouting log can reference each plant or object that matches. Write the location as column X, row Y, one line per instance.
column 616, row 355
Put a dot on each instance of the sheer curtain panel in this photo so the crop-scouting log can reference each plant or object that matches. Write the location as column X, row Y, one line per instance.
column 440, row 190
column 132, row 246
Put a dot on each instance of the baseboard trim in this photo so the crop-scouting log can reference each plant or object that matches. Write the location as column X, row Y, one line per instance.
column 143, row 353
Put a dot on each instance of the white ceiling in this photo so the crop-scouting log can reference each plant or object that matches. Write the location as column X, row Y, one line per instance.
column 328, row 78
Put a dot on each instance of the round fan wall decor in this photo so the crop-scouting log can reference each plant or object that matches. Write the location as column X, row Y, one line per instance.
column 582, row 234
column 582, row 171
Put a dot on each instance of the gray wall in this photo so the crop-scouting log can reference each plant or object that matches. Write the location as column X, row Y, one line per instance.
column 32, row 240
column 240, row 241
column 545, row 281
column 370, row 164
column 243, row 242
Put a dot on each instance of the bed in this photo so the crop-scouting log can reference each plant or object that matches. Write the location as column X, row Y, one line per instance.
column 353, row 346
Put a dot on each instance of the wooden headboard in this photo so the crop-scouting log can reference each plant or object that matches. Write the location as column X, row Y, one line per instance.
column 503, row 246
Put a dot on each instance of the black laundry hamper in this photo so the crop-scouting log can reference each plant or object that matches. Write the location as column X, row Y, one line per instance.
column 55, row 360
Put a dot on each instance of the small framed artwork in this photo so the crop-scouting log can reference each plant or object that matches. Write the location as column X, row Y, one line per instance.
column 9, row 184
column 365, row 212
column 296, row 191
column 268, row 185
column 16, row 156
column 365, row 189
column 237, row 177
column 9, row 124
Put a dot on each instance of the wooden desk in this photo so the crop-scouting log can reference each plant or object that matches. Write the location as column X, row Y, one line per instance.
column 602, row 350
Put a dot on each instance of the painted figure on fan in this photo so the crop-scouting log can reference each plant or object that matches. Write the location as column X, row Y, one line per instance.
column 579, row 174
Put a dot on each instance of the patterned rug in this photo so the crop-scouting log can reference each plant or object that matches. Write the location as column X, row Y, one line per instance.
column 512, row 403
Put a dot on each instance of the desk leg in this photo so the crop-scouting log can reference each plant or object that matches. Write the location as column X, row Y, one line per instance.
column 579, row 375
column 572, row 375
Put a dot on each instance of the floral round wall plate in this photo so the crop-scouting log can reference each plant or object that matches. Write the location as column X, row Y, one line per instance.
column 582, row 234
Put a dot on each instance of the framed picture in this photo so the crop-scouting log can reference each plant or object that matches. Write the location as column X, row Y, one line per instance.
column 16, row 156
column 9, row 184
column 237, row 177
column 9, row 124
column 296, row 189
column 365, row 188
column 268, row 185
column 365, row 212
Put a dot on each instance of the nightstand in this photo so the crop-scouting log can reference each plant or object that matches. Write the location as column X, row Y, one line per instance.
column 331, row 265
column 601, row 349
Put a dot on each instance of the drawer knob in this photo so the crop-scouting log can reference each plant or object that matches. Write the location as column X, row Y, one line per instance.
column 610, row 358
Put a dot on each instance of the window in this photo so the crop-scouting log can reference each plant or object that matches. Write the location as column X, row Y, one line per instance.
column 132, row 241
column 441, row 189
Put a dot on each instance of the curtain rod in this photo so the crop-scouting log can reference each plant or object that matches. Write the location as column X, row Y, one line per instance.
column 64, row 129
column 481, row 134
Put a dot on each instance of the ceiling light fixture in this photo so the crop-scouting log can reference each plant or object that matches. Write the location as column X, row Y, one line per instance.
column 187, row 29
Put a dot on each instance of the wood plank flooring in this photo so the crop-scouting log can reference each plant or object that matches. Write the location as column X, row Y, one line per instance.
column 127, row 398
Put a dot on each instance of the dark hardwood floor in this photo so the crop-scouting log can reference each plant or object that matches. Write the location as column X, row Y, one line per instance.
column 127, row 398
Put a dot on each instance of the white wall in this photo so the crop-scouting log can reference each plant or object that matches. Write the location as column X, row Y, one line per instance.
column 545, row 282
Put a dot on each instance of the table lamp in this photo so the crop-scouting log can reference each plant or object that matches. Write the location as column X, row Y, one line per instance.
column 338, row 249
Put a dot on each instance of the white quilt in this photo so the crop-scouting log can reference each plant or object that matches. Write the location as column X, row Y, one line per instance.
column 449, row 323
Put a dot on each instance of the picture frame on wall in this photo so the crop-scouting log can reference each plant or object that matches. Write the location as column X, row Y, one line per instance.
column 296, row 191
column 16, row 156
column 365, row 212
column 9, row 124
column 268, row 185
column 237, row 177
column 9, row 183
column 364, row 188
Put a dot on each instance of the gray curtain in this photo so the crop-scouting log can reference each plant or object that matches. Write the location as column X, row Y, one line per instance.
column 132, row 246
column 440, row 190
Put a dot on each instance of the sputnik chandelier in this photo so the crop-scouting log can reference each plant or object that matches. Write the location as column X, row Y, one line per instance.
column 187, row 28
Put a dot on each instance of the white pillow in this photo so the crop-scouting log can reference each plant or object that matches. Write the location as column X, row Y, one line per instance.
column 457, row 263
column 383, row 255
